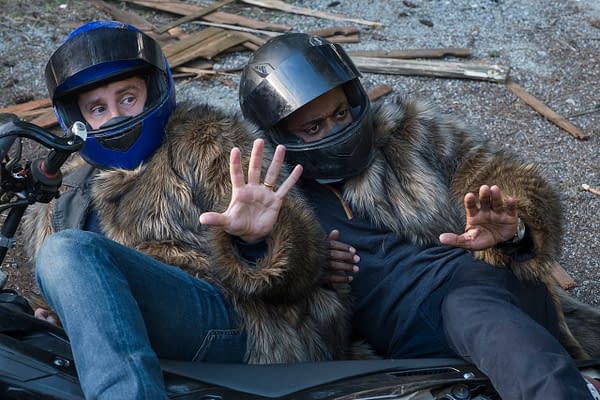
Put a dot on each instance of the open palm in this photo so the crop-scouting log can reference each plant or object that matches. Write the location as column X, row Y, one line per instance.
column 254, row 206
column 490, row 222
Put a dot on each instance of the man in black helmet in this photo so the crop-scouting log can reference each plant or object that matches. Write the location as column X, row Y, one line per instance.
column 397, row 181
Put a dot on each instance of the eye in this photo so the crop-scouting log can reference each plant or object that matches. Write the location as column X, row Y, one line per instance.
column 128, row 100
column 313, row 130
column 97, row 110
column 342, row 114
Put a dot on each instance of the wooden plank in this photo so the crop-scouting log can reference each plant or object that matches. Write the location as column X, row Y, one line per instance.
column 283, row 6
column 172, row 49
column 590, row 189
column 132, row 19
column 562, row 277
column 252, row 38
column 123, row 16
column 379, row 91
column 415, row 53
column 545, row 111
column 179, row 8
column 207, row 48
column 238, row 28
column 190, row 17
column 334, row 31
column 445, row 69
column 233, row 19
column 173, row 7
column 46, row 120
column 344, row 39
column 28, row 106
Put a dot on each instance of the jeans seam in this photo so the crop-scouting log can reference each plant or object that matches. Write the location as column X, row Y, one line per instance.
column 210, row 337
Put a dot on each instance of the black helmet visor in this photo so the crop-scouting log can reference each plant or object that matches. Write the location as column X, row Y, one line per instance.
column 298, row 80
column 97, row 55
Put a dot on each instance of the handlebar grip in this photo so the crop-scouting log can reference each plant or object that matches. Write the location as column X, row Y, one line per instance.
column 57, row 157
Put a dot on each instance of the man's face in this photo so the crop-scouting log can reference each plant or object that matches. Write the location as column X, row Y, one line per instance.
column 315, row 120
column 116, row 99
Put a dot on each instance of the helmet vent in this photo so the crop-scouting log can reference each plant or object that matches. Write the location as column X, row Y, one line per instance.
column 262, row 69
column 315, row 41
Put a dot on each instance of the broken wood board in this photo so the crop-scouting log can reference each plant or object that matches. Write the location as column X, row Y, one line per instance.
column 238, row 28
column 46, row 120
column 190, row 17
column 344, row 39
column 38, row 112
column 379, row 91
column 190, row 40
column 179, row 8
column 590, row 189
column 19, row 109
column 562, row 277
column 202, row 44
column 414, row 53
column 335, row 31
column 445, row 69
column 123, row 16
column 545, row 111
column 130, row 18
column 283, row 6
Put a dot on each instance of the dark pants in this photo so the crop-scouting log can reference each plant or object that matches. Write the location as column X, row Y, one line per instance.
column 509, row 330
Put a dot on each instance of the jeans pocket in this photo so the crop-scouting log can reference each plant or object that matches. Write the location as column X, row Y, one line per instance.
column 222, row 346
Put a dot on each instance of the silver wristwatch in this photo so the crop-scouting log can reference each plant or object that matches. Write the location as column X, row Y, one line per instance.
column 520, row 233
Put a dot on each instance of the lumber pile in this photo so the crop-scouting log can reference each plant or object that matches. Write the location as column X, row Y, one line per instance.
column 190, row 54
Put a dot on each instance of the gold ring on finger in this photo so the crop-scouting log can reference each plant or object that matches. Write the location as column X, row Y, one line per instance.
column 269, row 186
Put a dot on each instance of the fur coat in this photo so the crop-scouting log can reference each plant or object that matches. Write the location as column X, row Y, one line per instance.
column 287, row 314
column 426, row 162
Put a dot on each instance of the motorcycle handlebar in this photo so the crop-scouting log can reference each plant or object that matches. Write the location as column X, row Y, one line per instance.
column 11, row 127
column 56, row 158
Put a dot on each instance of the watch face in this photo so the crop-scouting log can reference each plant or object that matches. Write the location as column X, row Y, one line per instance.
column 520, row 230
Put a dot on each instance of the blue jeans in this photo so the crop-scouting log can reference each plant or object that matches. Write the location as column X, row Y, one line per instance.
column 124, row 310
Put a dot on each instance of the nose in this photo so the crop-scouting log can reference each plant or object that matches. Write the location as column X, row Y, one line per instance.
column 114, row 111
column 330, row 124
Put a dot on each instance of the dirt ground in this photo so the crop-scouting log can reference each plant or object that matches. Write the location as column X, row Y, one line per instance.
column 552, row 48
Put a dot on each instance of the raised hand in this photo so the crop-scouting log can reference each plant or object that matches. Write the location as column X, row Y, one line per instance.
column 488, row 223
column 342, row 260
column 254, row 205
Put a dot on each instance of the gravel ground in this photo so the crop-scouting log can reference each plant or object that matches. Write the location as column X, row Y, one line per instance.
column 552, row 48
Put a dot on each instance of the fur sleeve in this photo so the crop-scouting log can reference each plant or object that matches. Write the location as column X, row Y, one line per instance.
column 538, row 205
column 157, row 208
column 457, row 161
column 293, row 264
column 36, row 227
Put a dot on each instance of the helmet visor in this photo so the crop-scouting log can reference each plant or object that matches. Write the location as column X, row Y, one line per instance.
column 98, row 55
column 298, row 80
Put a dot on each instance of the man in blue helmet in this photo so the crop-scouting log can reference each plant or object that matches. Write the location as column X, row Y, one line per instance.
column 139, row 202
column 398, row 180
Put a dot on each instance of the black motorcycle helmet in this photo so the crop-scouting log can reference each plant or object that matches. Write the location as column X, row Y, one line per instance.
column 290, row 71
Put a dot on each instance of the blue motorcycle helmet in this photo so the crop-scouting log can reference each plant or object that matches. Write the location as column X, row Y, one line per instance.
column 94, row 55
